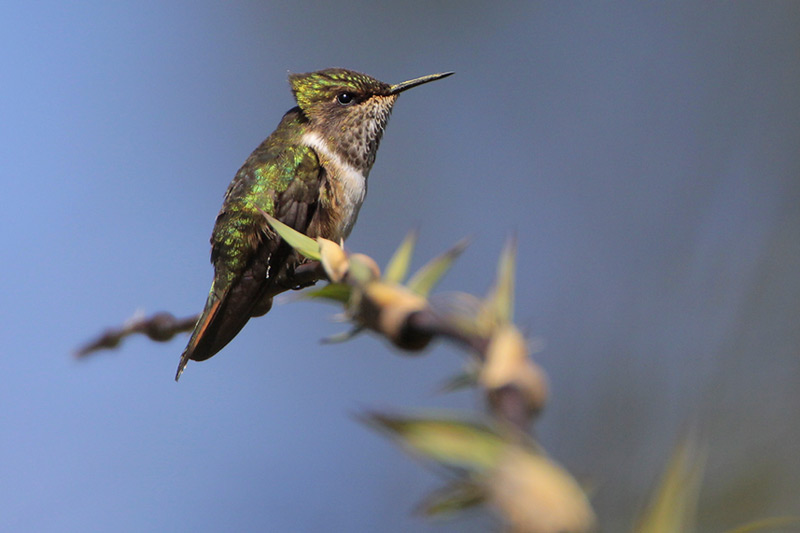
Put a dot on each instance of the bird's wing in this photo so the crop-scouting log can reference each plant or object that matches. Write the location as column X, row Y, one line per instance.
column 246, row 254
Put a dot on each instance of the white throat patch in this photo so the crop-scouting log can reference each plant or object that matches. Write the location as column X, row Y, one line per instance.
column 352, row 181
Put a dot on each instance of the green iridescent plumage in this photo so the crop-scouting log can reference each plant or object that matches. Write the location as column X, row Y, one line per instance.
column 311, row 175
column 318, row 87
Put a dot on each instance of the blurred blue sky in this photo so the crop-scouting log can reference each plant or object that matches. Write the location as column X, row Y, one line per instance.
column 646, row 155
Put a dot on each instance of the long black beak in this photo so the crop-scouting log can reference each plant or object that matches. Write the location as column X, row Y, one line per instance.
column 400, row 87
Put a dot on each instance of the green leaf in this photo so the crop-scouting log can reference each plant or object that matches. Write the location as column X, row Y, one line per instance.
column 454, row 443
column 673, row 507
column 338, row 292
column 302, row 243
column 428, row 276
column 397, row 268
column 362, row 269
column 452, row 498
column 460, row 381
column 344, row 336
column 501, row 300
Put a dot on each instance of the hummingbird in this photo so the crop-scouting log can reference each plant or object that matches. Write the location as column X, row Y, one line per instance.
column 311, row 174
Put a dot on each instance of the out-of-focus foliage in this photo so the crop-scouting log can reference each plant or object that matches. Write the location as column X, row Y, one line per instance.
column 491, row 459
column 426, row 278
column 530, row 491
column 673, row 507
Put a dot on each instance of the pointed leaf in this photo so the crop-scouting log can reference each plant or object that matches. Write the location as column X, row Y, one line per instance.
column 428, row 276
column 338, row 292
column 363, row 269
column 344, row 336
column 672, row 509
column 471, row 446
column 302, row 243
column 460, row 381
column 501, row 300
column 397, row 268
column 452, row 498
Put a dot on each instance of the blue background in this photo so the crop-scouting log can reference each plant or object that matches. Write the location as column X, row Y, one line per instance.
column 646, row 155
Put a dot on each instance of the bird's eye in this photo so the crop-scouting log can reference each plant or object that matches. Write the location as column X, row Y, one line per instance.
column 345, row 98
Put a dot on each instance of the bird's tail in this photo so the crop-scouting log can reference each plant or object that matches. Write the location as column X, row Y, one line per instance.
column 223, row 318
column 201, row 330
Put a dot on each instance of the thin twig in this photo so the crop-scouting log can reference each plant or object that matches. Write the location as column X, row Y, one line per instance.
column 159, row 327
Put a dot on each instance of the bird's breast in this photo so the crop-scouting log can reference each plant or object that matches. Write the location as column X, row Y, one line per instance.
column 345, row 190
